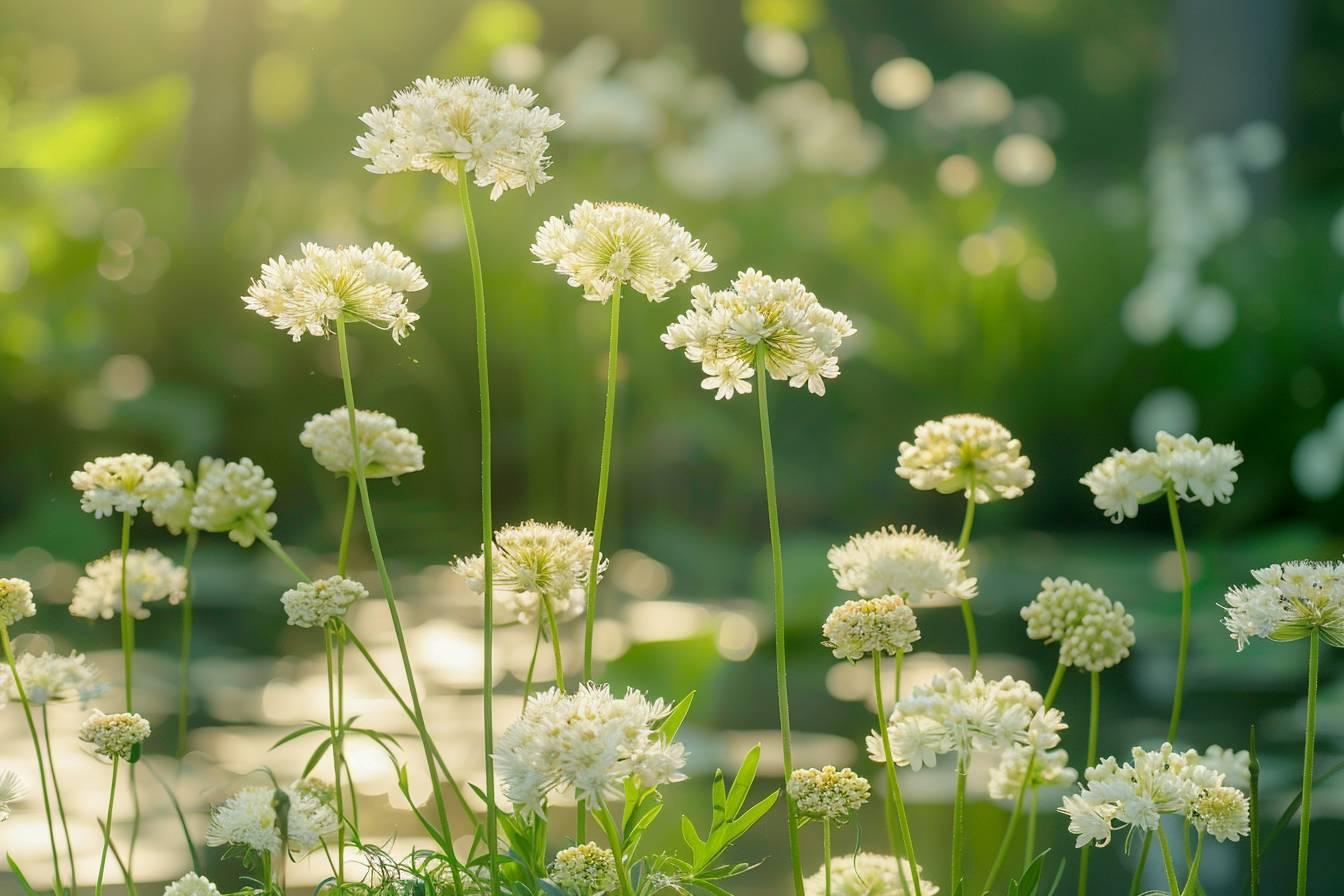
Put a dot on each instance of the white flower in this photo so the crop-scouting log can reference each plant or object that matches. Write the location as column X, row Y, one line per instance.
column 860, row 627
column 605, row 244
column 1093, row 632
column 780, row 320
column 1195, row 470
column 52, row 678
column 16, row 601
column 11, row 791
column 314, row 604
column 1288, row 601
column 115, row 735
column 191, row 884
column 826, row 793
column 124, row 484
column 497, row 134
column 966, row 453
column 150, row 577
column 234, row 497
column 535, row 563
column 1090, row 818
column 868, row 874
column 1223, row 812
column 584, row 870
column 248, row 818
column 309, row 294
column 1235, row 765
column 1050, row 768
column 587, row 743
column 1122, row 482
column 906, row 562
column 172, row 509
column 386, row 448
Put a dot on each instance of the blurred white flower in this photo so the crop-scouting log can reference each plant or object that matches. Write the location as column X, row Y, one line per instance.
column 386, row 448
column 52, row 678
column 249, row 818
column 150, row 577
column 1235, row 765
column 11, row 791
column 906, row 562
column 124, row 484
column 16, row 601
column 114, row 736
column 191, row 884
column 868, row 874
column 536, row 563
column 314, row 604
column 967, row 453
column 234, row 497
column 1049, row 769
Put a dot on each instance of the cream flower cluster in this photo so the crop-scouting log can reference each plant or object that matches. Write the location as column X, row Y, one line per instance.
column 434, row 125
column 827, row 793
column 779, row 320
column 584, row 870
column 308, row 295
column 1286, row 602
column 124, row 484
column 1093, row 631
column 1195, row 469
column 52, row 678
column 1235, row 765
column 16, row 601
column 150, row 577
column 605, row 244
column 587, row 743
column 191, row 884
column 386, row 449
column 11, row 791
column 234, row 497
column 906, row 562
column 115, row 735
column 966, row 453
column 857, row 628
column 248, row 818
column 314, row 604
column 1050, row 769
column 868, row 874
column 536, row 564
column 172, row 510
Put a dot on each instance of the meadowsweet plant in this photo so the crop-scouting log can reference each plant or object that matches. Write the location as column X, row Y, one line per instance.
column 117, row 737
column 828, row 796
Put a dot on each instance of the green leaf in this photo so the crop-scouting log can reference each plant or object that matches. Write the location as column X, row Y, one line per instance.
column 742, row 781
column 1030, row 881
column 670, row 725
column 747, row 819
column 23, row 881
column 310, row 728
column 1287, row 817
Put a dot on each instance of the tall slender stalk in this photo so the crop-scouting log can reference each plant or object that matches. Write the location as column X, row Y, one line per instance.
column 972, row 642
column 826, row 852
column 1254, row 796
column 338, row 746
column 1167, row 864
column 1184, row 652
column 128, row 664
column 184, row 661
column 615, row 841
column 107, row 828
column 781, row 666
column 1137, row 879
column 959, row 823
column 603, row 477
column 337, row 724
column 555, row 643
column 1192, row 875
column 1029, row 852
column 1308, row 758
column 894, row 801
column 1093, row 720
column 60, row 801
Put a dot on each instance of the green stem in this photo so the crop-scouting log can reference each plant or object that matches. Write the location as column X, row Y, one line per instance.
column 1192, row 876
column 342, row 566
column 1167, row 863
column 274, row 547
column 60, row 801
column 1032, row 813
column 603, row 477
column 1254, row 796
column 972, row 642
column 894, row 801
column 959, row 823
column 532, row 666
column 1142, row 864
column 184, row 662
column 1093, row 721
column 1308, row 758
column 347, row 526
column 781, row 667
column 1184, row 652
column 336, row 755
column 614, row 840
column 555, row 643
column 826, row 852
column 107, row 828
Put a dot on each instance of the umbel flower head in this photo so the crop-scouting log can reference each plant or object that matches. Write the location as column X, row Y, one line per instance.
column 52, row 678
column 1093, row 631
column 234, row 497
column 1195, row 469
column 16, row 601
column 11, row 791
column 191, row 884
column 172, row 510
column 1235, row 765
column 115, row 735
column 966, row 453
column 309, row 294
column 1288, row 601
column 584, row 870
column 1050, row 769
column 124, row 484
column 905, row 562
column 588, row 744
column 605, row 244
column 536, row 563
column 825, row 793
column 249, row 819
column 857, row 628
column 869, row 874
column 779, row 320
column 314, row 604
column 150, row 577
column 385, row 449
column 434, row 125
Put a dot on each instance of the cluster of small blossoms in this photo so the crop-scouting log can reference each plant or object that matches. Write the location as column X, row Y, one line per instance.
column 868, row 874
column 115, row 735
column 1195, row 470
column 584, row 870
column 587, row 743
column 1093, row 632
column 314, row 604
column 124, row 484
column 1288, row 601
column 173, row 510
column 150, row 577
column 434, row 125
column 966, row 453
column 778, row 320
column 16, row 601
column 52, row 678
column 1235, row 765
column 825, row 793
column 1049, row 769
column 308, row 295
column 536, row 564
column 605, row 244
column 191, row 884
column 857, row 628
column 233, row 497
column 386, row 449
column 906, row 562
column 248, row 818
column 322, row 791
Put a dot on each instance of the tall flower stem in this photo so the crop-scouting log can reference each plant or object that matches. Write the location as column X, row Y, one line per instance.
column 107, row 828
column 1033, row 811
column 781, row 666
column 972, row 642
column 184, row 661
column 37, row 749
column 128, row 663
column 1166, row 861
column 1184, row 652
column 603, row 478
column 342, row 567
column 1254, row 795
column 894, row 802
column 487, row 524
column 1137, row 879
column 615, row 841
column 1093, row 720
column 60, row 801
column 959, row 823
column 337, row 724
column 826, row 852
column 1308, row 758
column 555, row 643
column 1192, row 875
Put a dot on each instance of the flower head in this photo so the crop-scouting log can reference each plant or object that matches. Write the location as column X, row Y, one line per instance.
column 191, row 884
column 584, row 870
column 966, row 453
column 115, row 735
column 11, row 791
column 1235, row 765
column 857, row 628
column 172, row 509
column 1049, row 769
column 778, row 321
column 1224, row 812
column 868, row 874
column 124, row 484
column 1093, row 632
column 1194, row 469
column 52, row 678
column 309, row 294
column 314, row 604
column 536, row 562
column 386, row 449
column 150, row 577
column 605, row 244
column 234, row 497
column 16, row 601
column 250, row 818
column 1286, row 602
column 906, row 562
column 465, row 123
column 827, row 793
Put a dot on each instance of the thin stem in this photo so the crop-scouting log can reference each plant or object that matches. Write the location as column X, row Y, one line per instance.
column 277, row 550
column 1166, row 861
column 107, row 828
column 336, row 755
column 781, row 667
column 603, row 477
column 959, row 823
column 60, row 801
column 1032, row 812
column 1052, row 691
column 1093, row 720
column 555, row 643
column 1192, row 875
column 347, row 526
column 184, row 662
column 1308, row 758
column 1184, row 652
column 826, row 852
column 128, row 661
column 532, row 666
column 972, row 642
column 894, row 801
column 1142, row 864
column 1254, row 796
column 614, row 840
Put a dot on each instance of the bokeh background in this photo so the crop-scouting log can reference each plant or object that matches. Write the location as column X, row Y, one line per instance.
column 1090, row 220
